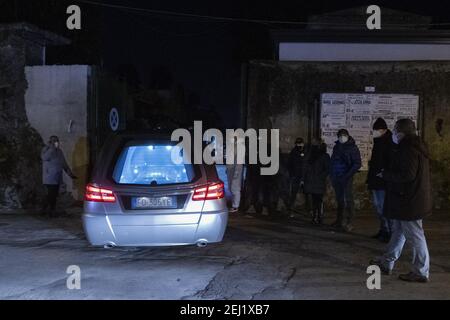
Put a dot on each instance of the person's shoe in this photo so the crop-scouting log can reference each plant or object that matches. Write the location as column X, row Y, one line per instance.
column 60, row 213
column 44, row 214
column 348, row 227
column 233, row 210
column 377, row 236
column 43, row 211
column 320, row 217
column 337, row 224
column 315, row 217
column 413, row 277
column 384, row 270
column 51, row 213
column 384, row 237
column 339, row 227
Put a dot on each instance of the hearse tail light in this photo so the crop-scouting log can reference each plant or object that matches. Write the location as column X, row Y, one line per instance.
column 97, row 194
column 211, row 191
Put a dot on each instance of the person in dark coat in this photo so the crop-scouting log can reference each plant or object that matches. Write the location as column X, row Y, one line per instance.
column 53, row 165
column 296, row 167
column 259, row 190
column 408, row 201
column 317, row 169
column 382, row 146
column 345, row 162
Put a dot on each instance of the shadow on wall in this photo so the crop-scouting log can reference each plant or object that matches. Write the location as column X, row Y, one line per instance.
column 80, row 165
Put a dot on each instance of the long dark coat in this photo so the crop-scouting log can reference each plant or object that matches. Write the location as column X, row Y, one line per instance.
column 381, row 151
column 408, row 184
column 317, row 170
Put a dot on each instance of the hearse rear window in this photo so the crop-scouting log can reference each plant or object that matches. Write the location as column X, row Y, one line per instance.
column 150, row 165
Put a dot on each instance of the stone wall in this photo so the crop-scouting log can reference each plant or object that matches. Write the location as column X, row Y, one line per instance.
column 20, row 144
column 286, row 95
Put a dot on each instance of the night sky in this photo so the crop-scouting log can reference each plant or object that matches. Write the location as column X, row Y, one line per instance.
column 199, row 55
column 202, row 55
column 205, row 55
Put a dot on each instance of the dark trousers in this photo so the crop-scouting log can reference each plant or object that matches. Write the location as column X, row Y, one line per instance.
column 317, row 202
column 52, row 195
column 344, row 198
column 295, row 188
column 317, row 207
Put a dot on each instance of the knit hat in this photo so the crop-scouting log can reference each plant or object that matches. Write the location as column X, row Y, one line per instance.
column 343, row 132
column 299, row 141
column 406, row 126
column 379, row 124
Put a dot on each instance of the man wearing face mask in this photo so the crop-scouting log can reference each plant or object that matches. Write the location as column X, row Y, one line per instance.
column 53, row 164
column 297, row 163
column 382, row 146
column 408, row 201
column 345, row 162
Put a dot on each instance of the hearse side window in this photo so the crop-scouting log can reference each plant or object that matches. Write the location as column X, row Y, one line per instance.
column 150, row 165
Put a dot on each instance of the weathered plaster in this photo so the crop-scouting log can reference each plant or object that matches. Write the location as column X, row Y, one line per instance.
column 284, row 95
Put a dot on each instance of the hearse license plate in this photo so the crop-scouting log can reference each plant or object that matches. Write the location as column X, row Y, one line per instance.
column 153, row 202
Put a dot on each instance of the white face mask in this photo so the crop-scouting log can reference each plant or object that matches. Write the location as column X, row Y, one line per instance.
column 377, row 133
column 343, row 139
column 397, row 136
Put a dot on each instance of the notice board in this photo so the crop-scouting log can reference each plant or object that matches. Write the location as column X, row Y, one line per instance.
column 356, row 112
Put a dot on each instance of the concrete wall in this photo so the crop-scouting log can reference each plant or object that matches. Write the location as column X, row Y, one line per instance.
column 285, row 95
column 56, row 104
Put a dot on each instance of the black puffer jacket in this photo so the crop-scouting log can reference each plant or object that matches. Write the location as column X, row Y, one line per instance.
column 345, row 160
column 317, row 170
column 408, row 185
column 382, row 148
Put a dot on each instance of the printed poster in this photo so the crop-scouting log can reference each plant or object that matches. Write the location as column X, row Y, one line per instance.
column 358, row 111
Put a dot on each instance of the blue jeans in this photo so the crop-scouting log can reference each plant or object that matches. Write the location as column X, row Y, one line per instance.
column 344, row 198
column 412, row 233
column 378, row 202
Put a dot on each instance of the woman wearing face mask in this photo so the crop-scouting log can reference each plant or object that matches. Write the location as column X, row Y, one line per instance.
column 382, row 147
column 345, row 162
column 53, row 164
column 408, row 201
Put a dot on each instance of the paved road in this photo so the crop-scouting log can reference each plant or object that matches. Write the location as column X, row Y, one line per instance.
column 258, row 259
